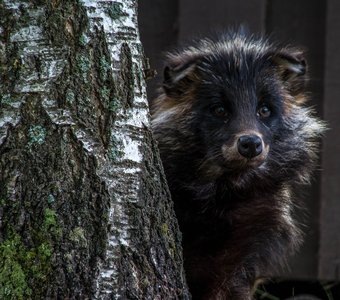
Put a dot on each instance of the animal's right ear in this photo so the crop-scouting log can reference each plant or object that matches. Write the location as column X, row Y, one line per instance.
column 178, row 79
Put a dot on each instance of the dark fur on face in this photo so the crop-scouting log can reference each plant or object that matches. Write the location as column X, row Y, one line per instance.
column 235, row 139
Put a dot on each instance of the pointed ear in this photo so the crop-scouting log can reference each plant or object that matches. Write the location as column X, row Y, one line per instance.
column 179, row 78
column 292, row 68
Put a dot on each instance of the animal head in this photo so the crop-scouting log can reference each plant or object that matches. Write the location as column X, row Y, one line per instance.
column 236, row 106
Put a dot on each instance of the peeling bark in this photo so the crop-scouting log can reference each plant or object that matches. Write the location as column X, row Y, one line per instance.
column 85, row 212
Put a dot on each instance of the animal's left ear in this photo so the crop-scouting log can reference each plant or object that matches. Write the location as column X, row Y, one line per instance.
column 292, row 67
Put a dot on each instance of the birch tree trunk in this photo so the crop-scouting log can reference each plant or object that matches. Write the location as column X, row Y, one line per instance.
column 85, row 212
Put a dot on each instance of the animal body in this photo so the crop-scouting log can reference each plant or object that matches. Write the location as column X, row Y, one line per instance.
column 235, row 139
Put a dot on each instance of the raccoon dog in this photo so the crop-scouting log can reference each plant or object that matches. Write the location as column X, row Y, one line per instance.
column 235, row 139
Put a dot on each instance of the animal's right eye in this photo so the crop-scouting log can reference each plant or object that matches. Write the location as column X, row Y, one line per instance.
column 220, row 111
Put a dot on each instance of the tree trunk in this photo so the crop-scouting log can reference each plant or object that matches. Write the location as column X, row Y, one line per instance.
column 85, row 212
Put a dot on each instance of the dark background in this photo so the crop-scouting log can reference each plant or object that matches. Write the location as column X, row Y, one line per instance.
column 312, row 24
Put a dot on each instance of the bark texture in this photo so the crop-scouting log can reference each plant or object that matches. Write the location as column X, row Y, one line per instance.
column 85, row 212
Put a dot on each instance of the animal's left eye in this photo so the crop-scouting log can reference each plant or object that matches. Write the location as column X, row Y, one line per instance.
column 264, row 111
column 220, row 111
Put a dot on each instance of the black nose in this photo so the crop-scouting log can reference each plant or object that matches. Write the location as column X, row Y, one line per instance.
column 249, row 146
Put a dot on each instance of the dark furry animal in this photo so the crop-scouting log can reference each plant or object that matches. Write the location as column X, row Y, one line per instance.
column 235, row 140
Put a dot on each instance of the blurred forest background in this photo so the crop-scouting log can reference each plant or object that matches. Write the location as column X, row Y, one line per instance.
column 312, row 24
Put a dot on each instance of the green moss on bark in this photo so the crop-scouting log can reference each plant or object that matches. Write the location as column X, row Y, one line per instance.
column 167, row 235
column 25, row 267
column 115, row 10
column 5, row 100
column 77, row 235
column 105, row 66
column 13, row 281
column 114, row 151
column 114, row 105
column 83, row 66
column 37, row 135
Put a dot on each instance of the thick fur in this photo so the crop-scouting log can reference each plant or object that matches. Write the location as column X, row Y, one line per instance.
column 235, row 213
